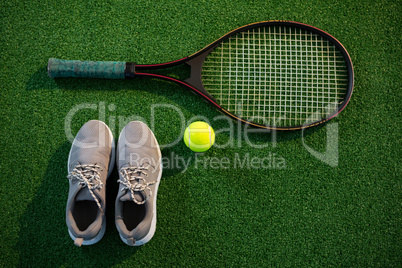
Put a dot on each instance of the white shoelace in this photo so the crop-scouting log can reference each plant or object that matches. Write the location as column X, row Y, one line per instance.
column 134, row 182
column 88, row 176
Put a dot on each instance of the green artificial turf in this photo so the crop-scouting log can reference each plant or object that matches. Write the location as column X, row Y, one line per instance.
column 295, row 211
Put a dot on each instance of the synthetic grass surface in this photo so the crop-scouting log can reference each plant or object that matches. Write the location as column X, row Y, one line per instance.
column 298, row 212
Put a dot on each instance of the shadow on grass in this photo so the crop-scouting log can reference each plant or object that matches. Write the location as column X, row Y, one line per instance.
column 180, row 95
column 44, row 240
column 40, row 80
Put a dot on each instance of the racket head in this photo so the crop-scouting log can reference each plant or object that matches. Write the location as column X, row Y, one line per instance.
column 279, row 75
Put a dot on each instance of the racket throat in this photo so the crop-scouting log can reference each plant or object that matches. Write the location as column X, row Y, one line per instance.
column 195, row 77
column 196, row 68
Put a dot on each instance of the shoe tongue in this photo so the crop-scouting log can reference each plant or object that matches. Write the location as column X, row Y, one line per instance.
column 128, row 197
column 84, row 195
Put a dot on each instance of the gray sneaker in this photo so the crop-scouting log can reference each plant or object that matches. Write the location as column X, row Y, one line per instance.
column 90, row 162
column 140, row 170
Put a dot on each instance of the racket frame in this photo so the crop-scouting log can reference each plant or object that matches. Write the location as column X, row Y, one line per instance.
column 196, row 60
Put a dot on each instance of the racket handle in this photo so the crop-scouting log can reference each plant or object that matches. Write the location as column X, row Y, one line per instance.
column 86, row 69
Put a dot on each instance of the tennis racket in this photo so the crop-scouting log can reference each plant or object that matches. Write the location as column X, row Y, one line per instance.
column 279, row 75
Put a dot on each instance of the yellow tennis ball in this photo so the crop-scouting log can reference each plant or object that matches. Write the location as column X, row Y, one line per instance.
column 199, row 136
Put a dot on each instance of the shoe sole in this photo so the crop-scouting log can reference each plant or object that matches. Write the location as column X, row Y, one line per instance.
column 153, row 222
column 102, row 231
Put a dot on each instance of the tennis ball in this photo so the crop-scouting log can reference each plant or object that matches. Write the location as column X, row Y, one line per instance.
column 199, row 136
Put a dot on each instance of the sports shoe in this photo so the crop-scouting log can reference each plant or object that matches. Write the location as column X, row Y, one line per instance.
column 90, row 162
column 140, row 170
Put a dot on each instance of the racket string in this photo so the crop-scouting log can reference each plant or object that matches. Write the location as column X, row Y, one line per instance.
column 276, row 73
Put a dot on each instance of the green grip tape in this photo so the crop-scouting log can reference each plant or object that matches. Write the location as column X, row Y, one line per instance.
column 87, row 69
